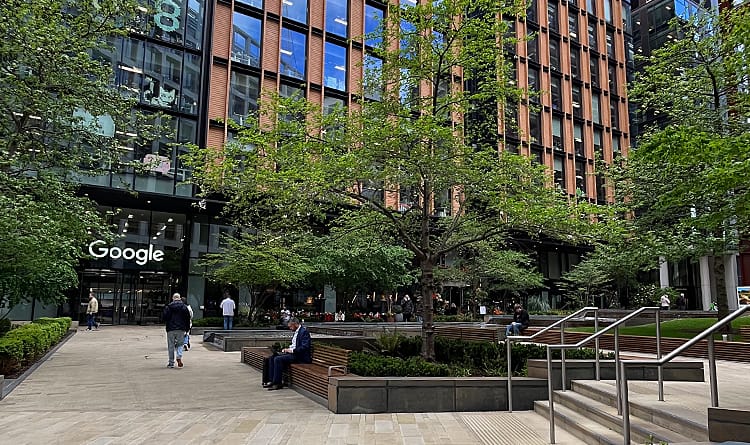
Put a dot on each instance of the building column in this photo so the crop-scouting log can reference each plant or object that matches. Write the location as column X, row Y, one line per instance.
column 663, row 272
column 730, row 275
column 705, row 272
column 329, row 293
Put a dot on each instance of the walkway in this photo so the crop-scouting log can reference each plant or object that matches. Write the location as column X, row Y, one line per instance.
column 112, row 387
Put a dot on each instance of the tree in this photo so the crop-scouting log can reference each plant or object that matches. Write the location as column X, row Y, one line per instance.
column 59, row 115
column 687, row 183
column 401, row 161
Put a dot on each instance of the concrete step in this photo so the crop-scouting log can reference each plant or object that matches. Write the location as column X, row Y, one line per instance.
column 606, row 415
column 689, row 423
column 584, row 428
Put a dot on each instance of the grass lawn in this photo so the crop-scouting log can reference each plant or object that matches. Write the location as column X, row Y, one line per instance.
column 679, row 328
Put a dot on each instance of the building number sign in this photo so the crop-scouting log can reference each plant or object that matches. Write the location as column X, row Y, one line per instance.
column 167, row 16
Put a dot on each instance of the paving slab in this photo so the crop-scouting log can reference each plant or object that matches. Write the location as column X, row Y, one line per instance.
column 112, row 386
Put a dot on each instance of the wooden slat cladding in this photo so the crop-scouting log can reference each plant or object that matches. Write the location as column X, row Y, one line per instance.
column 355, row 71
column 317, row 13
column 222, row 31
column 315, row 59
column 267, row 86
column 218, row 92
column 271, row 44
column 356, row 20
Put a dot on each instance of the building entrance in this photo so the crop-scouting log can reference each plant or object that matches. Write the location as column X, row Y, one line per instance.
column 127, row 297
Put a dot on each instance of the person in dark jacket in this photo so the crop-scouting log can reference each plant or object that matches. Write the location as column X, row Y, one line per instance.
column 176, row 317
column 300, row 351
column 520, row 321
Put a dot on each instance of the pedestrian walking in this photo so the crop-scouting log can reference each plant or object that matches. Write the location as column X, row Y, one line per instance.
column 177, row 321
column 91, row 310
column 227, row 309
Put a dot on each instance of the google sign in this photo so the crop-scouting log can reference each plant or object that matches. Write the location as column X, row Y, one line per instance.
column 141, row 256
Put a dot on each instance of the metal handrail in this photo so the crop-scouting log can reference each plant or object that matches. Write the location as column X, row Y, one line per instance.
column 512, row 338
column 623, row 383
column 595, row 336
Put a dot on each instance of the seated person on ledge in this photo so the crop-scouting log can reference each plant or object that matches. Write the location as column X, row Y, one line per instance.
column 520, row 321
column 300, row 351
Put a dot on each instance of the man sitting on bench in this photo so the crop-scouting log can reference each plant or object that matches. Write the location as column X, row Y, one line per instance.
column 520, row 321
column 300, row 351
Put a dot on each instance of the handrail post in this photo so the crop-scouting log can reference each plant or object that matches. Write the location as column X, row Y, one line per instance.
column 550, row 396
column 596, row 345
column 660, row 369
column 508, row 343
column 623, row 404
column 618, row 371
column 562, row 358
column 712, row 372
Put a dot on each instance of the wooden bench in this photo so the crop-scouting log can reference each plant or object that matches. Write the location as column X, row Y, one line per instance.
column 327, row 361
column 744, row 332
column 313, row 377
column 491, row 334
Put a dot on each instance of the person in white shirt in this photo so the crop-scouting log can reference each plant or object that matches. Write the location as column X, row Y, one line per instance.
column 227, row 309
column 665, row 302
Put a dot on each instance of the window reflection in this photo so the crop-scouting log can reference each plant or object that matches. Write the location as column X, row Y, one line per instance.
column 293, row 53
column 246, row 39
column 337, row 17
column 335, row 67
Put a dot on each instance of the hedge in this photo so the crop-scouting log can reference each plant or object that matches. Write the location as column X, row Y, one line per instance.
column 208, row 321
column 26, row 343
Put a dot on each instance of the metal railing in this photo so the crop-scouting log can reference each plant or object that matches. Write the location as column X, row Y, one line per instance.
column 595, row 336
column 622, row 384
column 510, row 339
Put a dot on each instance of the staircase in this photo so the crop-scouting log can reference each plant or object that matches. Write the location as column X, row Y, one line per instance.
column 589, row 411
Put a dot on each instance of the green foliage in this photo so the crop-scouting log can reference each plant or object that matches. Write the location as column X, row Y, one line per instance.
column 364, row 364
column 536, row 303
column 26, row 343
column 455, row 318
column 208, row 321
column 679, row 328
column 388, row 343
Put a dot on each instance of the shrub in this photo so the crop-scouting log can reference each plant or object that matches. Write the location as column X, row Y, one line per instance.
column 4, row 326
column 26, row 343
column 364, row 364
column 389, row 343
column 208, row 321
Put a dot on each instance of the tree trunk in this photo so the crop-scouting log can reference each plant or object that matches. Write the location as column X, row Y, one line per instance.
column 719, row 270
column 428, row 328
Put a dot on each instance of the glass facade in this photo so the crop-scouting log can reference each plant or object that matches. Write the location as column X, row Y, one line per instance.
column 334, row 68
column 244, row 90
column 373, row 19
column 246, row 39
column 337, row 17
column 295, row 10
column 293, row 53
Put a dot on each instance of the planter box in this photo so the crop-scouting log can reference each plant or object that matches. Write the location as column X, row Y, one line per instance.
column 357, row 395
column 586, row 370
column 728, row 425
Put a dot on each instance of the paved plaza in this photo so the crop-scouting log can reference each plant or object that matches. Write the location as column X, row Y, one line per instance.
column 112, row 387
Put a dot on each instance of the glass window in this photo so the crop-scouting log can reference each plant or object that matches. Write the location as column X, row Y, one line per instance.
column 598, row 149
column 337, row 17
column 286, row 90
column 373, row 84
column 612, row 73
column 334, row 74
column 578, row 139
column 533, row 84
column 531, row 11
column 614, row 110
column 293, row 53
column 552, row 19
column 559, row 169
column 532, row 49
column 535, row 127
column 575, row 62
column 594, row 67
column 408, row 88
column 554, row 54
column 608, row 11
column 573, row 24
column 246, row 39
column 611, row 44
column 162, row 76
column 556, row 93
column 601, row 192
column 581, row 178
column 615, row 145
column 557, row 133
column 331, row 103
column 407, row 39
column 593, row 41
column 130, row 68
column 373, row 19
column 577, row 102
column 295, row 10
column 254, row 3
column 194, row 31
column 596, row 114
column 243, row 96
column 191, row 83
column 591, row 7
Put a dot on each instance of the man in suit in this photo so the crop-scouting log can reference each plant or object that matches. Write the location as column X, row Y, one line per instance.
column 300, row 351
